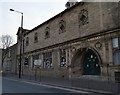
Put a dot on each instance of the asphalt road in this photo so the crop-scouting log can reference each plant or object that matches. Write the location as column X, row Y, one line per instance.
column 19, row 86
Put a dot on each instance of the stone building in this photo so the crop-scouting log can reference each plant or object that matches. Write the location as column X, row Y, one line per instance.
column 0, row 59
column 81, row 41
column 9, row 63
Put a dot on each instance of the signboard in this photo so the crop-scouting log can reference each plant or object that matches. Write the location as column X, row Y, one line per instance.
column 115, row 42
column 38, row 62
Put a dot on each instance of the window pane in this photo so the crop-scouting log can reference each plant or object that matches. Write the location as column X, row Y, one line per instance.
column 117, row 57
column 115, row 42
column 47, row 60
column 62, row 57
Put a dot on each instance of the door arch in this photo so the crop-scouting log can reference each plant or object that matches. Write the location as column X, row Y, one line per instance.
column 91, row 63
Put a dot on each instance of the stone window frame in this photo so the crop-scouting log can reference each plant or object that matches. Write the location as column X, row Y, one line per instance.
column 27, row 41
column 63, row 63
column 47, row 60
column 62, row 26
column 36, row 37
column 83, row 17
column 47, row 32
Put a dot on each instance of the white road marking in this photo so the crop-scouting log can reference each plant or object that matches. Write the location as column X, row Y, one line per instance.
column 62, row 88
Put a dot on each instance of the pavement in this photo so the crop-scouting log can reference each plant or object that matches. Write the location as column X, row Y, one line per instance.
column 58, row 83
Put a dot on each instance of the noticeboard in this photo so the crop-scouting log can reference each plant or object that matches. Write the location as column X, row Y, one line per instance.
column 37, row 62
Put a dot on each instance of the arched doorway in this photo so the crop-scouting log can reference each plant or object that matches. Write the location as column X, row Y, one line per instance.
column 91, row 63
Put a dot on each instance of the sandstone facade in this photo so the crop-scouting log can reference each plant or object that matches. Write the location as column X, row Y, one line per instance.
column 76, row 42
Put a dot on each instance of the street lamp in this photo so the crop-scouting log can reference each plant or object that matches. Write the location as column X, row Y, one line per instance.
column 21, row 30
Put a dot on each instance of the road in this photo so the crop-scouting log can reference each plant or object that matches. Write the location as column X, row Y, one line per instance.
column 19, row 86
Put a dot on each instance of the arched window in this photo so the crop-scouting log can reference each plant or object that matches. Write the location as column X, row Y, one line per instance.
column 116, row 57
column 27, row 41
column 47, row 32
column 36, row 38
column 62, row 26
column 83, row 17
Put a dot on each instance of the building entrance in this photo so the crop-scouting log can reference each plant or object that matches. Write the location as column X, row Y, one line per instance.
column 91, row 63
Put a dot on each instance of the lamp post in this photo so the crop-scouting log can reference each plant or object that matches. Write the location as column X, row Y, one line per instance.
column 21, row 30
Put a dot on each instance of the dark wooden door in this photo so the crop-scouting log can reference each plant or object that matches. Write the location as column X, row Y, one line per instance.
column 91, row 64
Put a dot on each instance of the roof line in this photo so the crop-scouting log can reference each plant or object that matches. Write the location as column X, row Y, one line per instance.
column 59, row 14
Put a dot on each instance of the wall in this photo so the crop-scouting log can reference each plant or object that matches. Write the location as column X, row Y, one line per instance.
column 10, row 64
column 0, row 58
column 102, row 16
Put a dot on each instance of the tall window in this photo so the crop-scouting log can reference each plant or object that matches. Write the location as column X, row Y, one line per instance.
column 116, row 57
column 62, row 26
column 35, row 57
column 47, row 60
column 47, row 32
column 27, row 41
column 62, row 57
column 26, row 61
column 116, row 42
column 36, row 38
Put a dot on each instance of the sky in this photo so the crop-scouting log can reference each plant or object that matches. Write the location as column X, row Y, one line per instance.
column 35, row 12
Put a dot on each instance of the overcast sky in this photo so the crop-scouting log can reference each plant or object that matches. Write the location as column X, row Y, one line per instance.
column 35, row 13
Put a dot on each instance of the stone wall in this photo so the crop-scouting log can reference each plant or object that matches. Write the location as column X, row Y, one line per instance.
column 96, row 34
column 101, row 17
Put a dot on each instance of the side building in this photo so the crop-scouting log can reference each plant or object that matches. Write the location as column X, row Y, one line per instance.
column 9, row 61
column 83, row 40
column 0, row 60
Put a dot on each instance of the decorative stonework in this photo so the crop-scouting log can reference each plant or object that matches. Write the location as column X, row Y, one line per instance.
column 83, row 17
column 47, row 32
column 62, row 26
column 73, row 49
column 98, row 45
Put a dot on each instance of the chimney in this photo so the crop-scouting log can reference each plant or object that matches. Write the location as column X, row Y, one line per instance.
column 71, row 3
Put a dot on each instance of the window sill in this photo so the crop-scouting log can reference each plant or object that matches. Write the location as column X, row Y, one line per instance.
column 62, row 68
column 47, row 68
